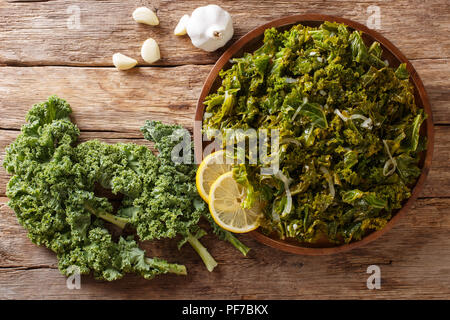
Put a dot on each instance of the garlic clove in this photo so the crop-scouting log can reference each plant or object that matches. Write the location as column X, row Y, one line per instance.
column 150, row 51
column 180, row 29
column 122, row 62
column 145, row 15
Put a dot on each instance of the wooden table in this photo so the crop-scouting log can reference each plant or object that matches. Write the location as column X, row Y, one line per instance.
column 44, row 51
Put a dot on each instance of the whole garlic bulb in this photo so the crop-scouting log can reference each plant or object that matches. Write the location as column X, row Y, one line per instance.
column 209, row 27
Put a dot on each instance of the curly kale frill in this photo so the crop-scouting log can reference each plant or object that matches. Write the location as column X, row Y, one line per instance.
column 51, row 191
column 184, row 207
column 54, row 192
column 348, row 124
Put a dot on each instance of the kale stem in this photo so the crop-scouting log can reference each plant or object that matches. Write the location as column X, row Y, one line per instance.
column 236, row 243
column 169, row 267
column 118, row 221
column 208, row 260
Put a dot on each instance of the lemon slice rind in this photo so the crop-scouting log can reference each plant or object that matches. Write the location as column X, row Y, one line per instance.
column 208, row 172
column 225, row 206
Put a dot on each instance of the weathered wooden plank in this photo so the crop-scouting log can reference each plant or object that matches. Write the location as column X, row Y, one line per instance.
column 111, row 106
column 105, row 99
column 434, row 75
column 437, row 183
column 52, row 33
column 265, row 273
column 438, row 180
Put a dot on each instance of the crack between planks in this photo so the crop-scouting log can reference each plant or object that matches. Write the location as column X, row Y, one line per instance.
column 435, row 197
column 105, row 131
column 140, row 137
column 27, row 1
column 10, row 129
column 27, row 267
column 164, row 66
column 430, row 58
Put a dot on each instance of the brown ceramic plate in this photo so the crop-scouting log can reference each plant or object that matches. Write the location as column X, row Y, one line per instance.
column 252, row 41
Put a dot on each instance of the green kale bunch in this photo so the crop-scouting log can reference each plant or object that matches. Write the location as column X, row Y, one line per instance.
column 348, row 126
column 53, row 192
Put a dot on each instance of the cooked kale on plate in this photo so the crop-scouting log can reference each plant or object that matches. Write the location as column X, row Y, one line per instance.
column 349, row 131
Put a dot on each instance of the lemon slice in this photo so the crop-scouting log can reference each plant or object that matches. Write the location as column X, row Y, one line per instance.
column 225, row 200
column 212, row 167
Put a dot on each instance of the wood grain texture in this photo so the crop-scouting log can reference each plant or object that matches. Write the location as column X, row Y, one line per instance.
column 40, row 56
column 120, row 101
column 106, row 27
column 264, row 274
column 109, row 100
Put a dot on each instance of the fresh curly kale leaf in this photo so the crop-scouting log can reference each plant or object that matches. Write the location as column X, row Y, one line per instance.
column 174, row 199
column 52, row 193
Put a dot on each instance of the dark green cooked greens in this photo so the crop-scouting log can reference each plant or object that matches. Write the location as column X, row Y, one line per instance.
column 349, row 131
column 54, row 193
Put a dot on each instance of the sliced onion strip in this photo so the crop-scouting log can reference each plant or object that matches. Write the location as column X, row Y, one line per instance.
column 291, row 140
column 367, row 122
column 288, row 207
column 389, row 162
column 344, row 118
column 305, row 100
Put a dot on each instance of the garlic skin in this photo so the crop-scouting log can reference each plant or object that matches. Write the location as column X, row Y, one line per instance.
column 122, row 62
column 150, row 51
column 146, row 16
column 180, row 29
column 210, row 27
